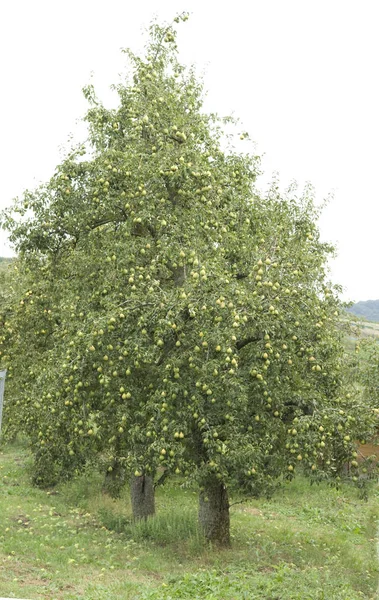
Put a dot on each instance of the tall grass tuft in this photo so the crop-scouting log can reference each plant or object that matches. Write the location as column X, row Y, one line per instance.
column 163, row 529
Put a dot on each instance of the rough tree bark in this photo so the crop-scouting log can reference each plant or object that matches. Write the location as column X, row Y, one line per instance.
column 142, row 497
column 214, row 516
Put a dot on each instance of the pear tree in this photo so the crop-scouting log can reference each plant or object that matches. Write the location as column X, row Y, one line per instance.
column 172, row 318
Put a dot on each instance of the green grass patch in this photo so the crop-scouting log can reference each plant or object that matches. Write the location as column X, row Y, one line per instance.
column 308, row 542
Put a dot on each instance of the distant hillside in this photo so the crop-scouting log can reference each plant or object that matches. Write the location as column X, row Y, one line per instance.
column 368, row 309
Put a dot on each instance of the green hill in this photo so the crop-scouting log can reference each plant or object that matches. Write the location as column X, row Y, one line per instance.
column 368, row 309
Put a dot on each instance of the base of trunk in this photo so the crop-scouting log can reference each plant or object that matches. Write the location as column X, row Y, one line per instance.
column 143, row 497
column 214, row 516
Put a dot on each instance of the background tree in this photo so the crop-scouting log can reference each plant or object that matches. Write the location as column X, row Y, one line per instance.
column 172, row 317
column 367, row 358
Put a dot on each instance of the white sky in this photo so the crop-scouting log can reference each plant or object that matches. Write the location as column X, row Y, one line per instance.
column 302, row 75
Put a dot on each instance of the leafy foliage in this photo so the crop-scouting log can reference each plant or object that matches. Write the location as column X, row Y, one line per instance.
column 368, row 358
column 167, row 315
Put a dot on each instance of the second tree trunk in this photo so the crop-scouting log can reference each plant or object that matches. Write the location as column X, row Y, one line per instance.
column 142, row 497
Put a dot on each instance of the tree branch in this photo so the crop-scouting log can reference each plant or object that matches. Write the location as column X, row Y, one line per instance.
column 242, row 343
column 161, row 479
column 239, row 502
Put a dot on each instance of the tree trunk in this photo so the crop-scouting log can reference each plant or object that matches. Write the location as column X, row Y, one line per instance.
column 143, row 497
column 114, row 480
column 214, row 516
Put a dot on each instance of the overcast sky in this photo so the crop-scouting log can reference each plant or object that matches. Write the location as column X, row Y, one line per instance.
column 302, row 76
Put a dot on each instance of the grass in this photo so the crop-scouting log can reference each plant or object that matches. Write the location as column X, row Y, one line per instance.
column 75, row 543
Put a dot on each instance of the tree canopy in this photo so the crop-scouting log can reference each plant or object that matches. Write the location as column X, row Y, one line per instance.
column 169, row 315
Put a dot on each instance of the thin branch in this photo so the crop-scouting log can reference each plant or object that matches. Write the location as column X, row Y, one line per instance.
column 239, row 502
column 161, row 479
